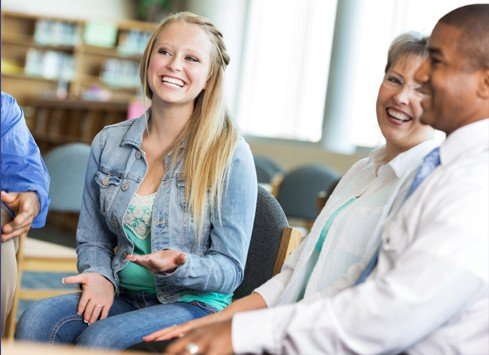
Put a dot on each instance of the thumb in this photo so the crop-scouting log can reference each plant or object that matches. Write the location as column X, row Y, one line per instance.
column 77, row 279
column 8, row 197
column 180, row 259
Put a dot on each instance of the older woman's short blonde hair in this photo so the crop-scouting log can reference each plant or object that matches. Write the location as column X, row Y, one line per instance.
column 410, row 43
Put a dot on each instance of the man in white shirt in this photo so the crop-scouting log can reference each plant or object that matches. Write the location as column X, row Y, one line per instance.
column 429, row 291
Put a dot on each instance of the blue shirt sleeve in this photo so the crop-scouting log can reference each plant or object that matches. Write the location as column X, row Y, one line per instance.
column 22, row 168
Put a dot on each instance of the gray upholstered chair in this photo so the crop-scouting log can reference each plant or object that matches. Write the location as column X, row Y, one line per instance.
column 67, row 165
column 324, row 195
column 299, row 190
column 266, row 169
column 272, row 240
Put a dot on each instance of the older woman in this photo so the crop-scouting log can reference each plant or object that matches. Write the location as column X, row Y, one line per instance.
column 344, row 236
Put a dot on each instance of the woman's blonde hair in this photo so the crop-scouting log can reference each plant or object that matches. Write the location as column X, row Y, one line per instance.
column 210, row 134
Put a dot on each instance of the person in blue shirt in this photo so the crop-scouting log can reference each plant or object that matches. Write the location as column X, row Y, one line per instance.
column 24, row 187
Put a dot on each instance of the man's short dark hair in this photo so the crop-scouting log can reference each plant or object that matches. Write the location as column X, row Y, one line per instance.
column 473, row 21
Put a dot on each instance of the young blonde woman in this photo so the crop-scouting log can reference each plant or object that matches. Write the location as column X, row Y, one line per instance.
column 344, row 236
column 168, row 206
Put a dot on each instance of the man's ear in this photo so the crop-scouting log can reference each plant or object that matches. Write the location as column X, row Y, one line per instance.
column 484, row 84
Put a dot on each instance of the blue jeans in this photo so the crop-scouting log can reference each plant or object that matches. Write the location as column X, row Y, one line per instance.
column 132, row 316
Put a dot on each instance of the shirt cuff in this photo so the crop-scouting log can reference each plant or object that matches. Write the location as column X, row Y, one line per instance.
column 247, row 337
column 273, row 288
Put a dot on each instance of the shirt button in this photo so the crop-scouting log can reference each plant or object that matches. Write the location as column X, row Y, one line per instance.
column 105, row 181
column 115, row 223
column 138, row 154
column 124, row 186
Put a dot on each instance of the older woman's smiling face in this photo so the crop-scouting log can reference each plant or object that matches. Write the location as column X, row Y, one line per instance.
column 399, row 105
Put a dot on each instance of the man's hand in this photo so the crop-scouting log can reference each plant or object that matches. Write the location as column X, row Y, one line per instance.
column 97, row 296
column 213, row 339
column 160, row 261
column 26, row 207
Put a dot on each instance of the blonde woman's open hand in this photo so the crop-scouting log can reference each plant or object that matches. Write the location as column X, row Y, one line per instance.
column 160, row 261
column 97, row 295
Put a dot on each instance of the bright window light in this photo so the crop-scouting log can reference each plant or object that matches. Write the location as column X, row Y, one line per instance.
column 285, row 68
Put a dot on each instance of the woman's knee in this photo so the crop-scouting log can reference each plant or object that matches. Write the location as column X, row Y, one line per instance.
column 39, row 320
column 34, row 321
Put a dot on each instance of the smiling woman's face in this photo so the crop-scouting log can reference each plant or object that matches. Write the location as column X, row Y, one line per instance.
column 399, row 106
column 179, row 64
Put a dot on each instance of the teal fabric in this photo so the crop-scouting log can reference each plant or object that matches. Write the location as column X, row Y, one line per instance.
column 218, row 301
column 319, row 244
column 132, row 276
column 138, row 229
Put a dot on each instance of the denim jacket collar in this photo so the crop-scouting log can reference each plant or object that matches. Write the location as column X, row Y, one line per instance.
column 134, row 135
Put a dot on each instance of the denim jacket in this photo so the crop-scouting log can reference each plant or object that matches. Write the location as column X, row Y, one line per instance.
column 215, row 262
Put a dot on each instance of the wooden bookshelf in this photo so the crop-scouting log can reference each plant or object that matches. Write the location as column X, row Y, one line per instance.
column 57, row 122
column 73, row 65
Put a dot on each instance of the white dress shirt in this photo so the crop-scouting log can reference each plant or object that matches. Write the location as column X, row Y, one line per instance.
column 429, row 292
column 355, row 233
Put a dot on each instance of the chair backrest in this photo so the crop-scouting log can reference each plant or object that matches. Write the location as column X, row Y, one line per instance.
column 67, row 165
column 300, row 187
column 324, row 195
column 266, row 169
column 269, row 224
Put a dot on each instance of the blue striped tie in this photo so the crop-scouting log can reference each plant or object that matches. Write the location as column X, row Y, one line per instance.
column 430, row 162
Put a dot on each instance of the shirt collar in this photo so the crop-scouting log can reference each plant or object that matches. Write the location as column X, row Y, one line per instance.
column 466, row 138
column 134, row 135
column 404, row 161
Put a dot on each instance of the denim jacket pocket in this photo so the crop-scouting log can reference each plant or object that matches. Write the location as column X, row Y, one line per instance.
column 108, row 184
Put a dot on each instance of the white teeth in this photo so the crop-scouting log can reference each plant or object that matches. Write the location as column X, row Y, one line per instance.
column 398, row 115
column 174, row 81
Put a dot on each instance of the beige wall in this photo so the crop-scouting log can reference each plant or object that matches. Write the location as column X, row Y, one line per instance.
column 291, row 155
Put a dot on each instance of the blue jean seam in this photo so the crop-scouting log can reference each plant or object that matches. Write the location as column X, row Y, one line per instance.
column 59, row 324
column 204, row 306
